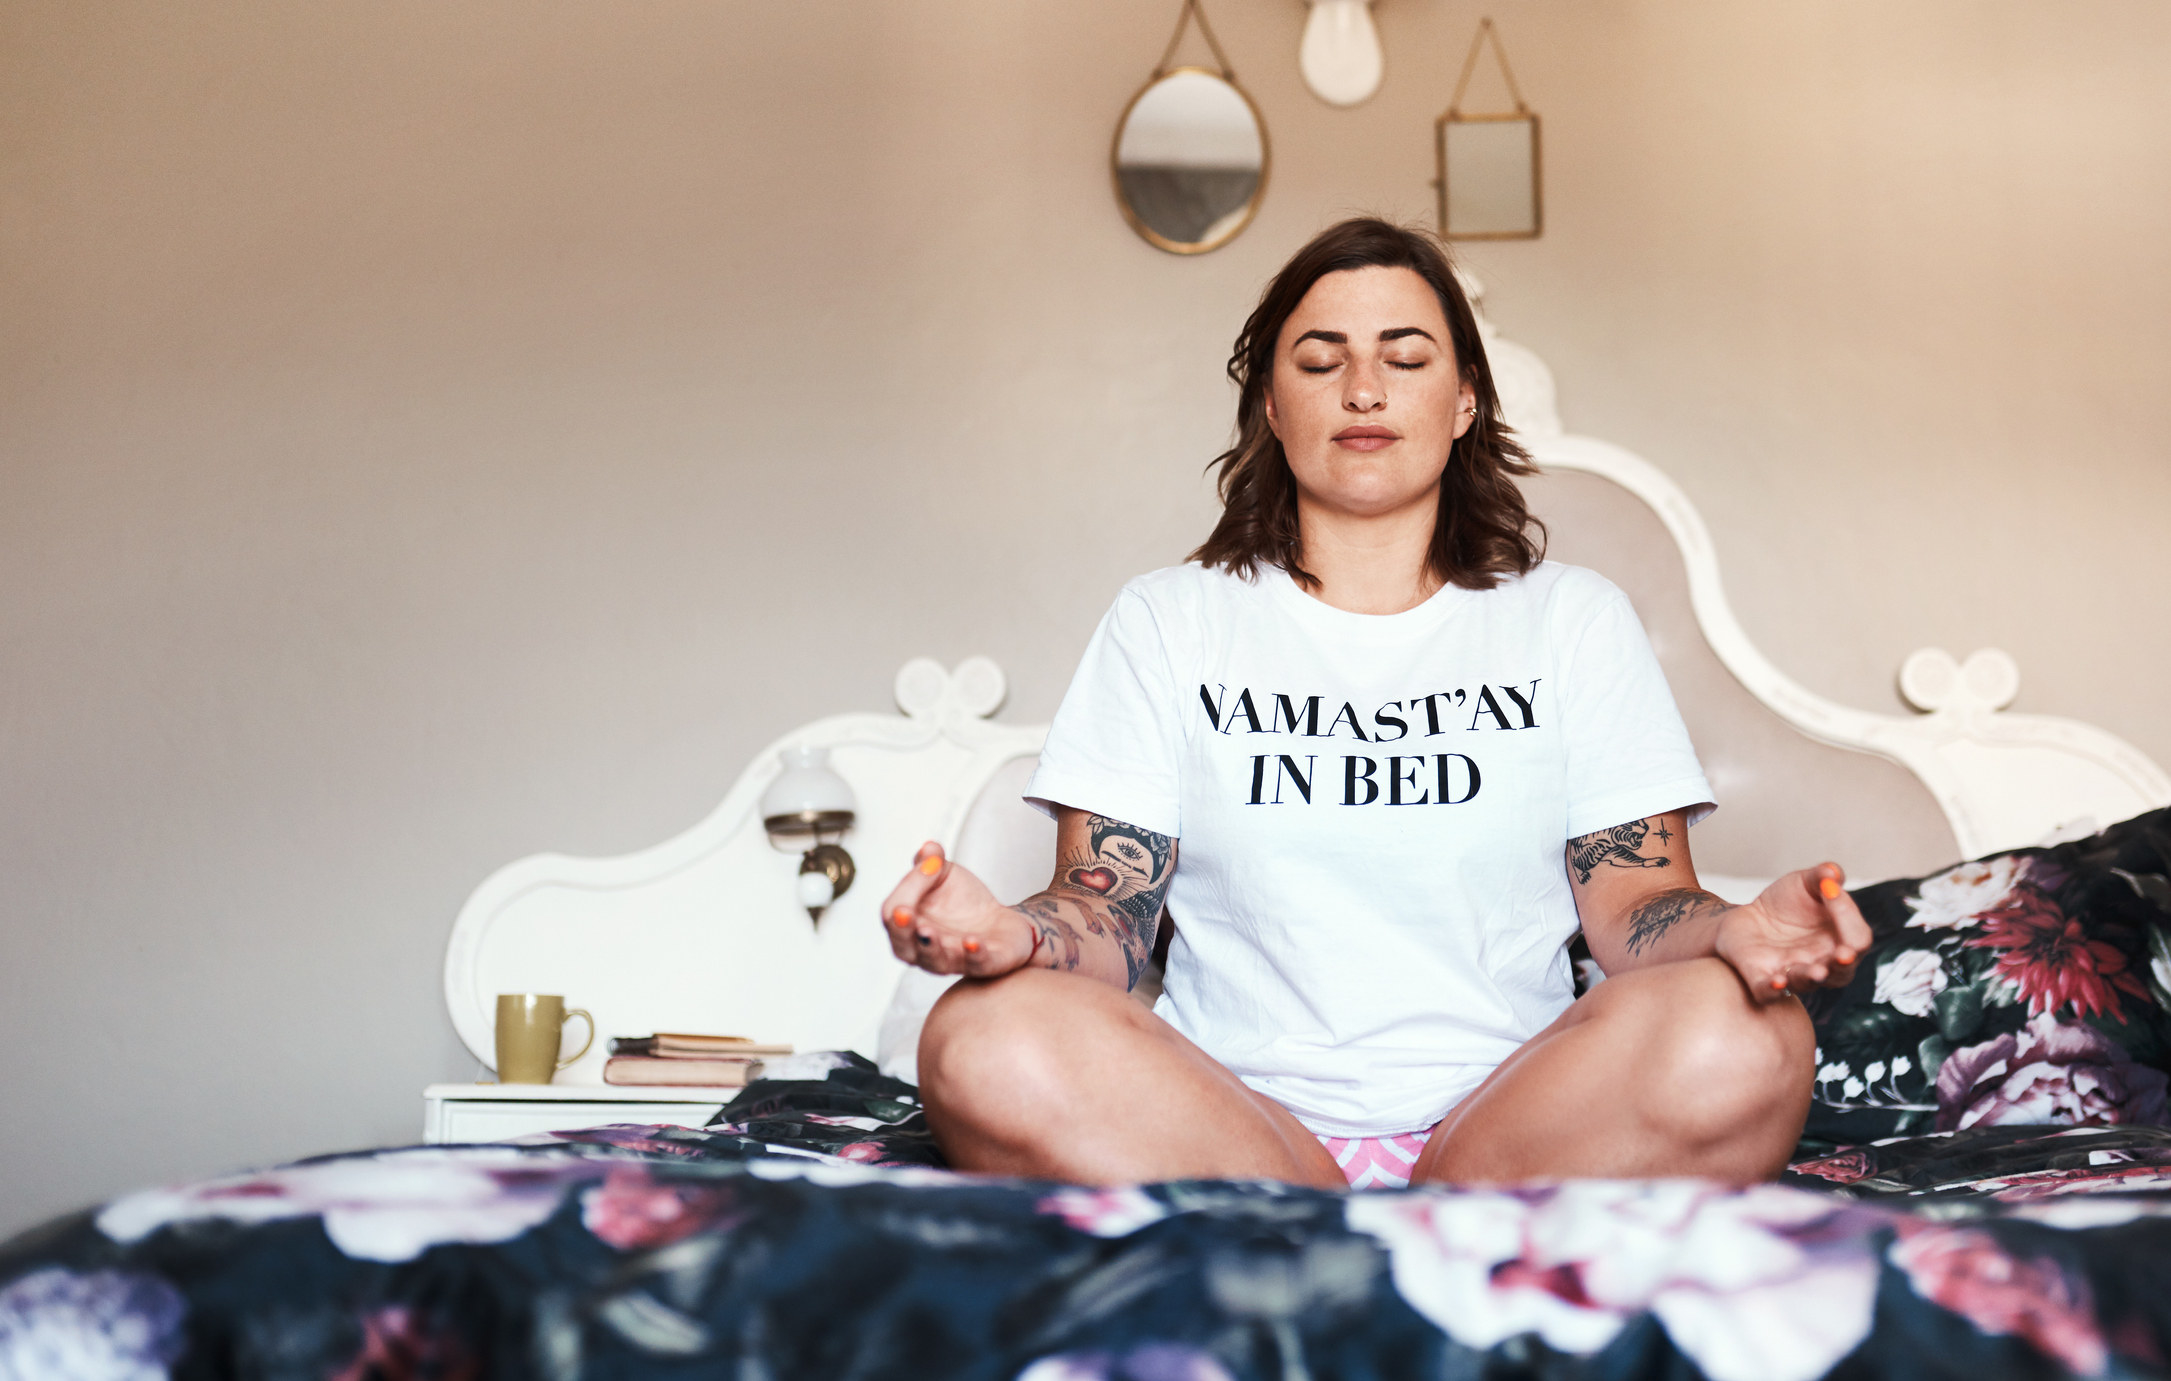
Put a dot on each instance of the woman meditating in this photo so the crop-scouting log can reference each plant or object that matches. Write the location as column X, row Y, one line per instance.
column 1376, row 761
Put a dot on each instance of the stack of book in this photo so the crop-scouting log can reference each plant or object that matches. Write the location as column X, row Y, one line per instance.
column 676, row 1057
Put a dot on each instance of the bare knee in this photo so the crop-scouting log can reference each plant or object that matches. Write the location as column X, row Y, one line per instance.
column 980, row 1033
column 996, row 1056
column 1723, row 1066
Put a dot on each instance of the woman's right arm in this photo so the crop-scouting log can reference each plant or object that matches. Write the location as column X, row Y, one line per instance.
column 1097, row 917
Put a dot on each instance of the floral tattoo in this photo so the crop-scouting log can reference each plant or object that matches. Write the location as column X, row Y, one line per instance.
column 1662, row 911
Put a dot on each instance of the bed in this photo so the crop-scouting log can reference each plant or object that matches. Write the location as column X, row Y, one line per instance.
column 1984, row 1189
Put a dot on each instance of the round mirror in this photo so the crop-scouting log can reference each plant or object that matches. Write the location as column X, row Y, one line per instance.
column 1190, row 161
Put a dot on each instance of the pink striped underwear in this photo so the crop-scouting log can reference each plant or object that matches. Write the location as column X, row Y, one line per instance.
column 1376, row 1162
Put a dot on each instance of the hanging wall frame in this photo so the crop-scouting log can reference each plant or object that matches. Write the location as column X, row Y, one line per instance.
column 1190, row 154
column 1490, row 177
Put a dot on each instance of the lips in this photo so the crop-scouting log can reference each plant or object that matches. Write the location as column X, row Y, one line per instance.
column 1365, row 438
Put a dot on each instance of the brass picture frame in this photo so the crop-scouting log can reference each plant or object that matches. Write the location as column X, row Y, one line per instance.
column 1503, row 189
column 1537, row 175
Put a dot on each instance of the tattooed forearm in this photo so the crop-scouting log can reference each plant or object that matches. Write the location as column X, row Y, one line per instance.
column 1619, row 847
column 1662, row 911
column 1114, row 887
column 1060, row 942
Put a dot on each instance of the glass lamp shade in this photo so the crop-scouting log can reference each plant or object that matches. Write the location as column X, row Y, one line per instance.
column 1340, row 53
column 816, row 891
column 807, row 800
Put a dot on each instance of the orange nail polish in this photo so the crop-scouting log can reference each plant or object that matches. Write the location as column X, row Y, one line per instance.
column 1830, row 888
column 931, row 865
column 901, row 917
column 972, row 947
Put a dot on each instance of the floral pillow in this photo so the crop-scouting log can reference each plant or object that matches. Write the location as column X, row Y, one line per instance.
column 2031, row 987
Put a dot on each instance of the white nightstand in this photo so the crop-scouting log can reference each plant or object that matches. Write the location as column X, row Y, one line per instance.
column 492, row 1112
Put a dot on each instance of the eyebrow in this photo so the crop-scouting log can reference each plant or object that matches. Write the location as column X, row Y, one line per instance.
column 1340, row 338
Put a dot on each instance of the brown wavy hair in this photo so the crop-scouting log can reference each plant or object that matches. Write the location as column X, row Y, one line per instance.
column 1483, row 531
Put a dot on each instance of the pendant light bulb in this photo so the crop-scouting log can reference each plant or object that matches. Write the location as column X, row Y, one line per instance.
column 1340, row 54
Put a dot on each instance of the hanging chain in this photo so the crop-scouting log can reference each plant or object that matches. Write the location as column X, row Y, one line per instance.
column 1193, row 10
column 1485, row 30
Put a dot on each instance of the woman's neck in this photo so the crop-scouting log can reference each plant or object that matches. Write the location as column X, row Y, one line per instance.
column 1370, row 564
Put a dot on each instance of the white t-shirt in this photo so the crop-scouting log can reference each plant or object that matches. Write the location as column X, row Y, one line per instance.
column 1371, row 897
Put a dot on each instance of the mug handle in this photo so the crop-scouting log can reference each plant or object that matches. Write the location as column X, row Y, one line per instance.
column 582, row 1013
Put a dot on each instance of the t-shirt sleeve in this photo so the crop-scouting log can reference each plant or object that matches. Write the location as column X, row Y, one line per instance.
column 1115, row 746
column 1629, row 755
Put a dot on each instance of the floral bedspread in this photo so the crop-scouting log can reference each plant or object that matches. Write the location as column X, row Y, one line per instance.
column 809, row 1235
column 2032, row 986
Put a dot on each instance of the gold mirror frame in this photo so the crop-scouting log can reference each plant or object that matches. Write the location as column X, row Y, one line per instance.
column 1522, row 113
column 1161, row 72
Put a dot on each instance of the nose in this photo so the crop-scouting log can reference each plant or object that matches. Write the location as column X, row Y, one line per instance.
column 1363, row 387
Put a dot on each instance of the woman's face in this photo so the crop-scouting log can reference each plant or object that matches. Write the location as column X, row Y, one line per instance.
column 1367, row 396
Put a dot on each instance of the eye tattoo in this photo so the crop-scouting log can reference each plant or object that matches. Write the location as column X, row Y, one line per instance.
column 1123, row 874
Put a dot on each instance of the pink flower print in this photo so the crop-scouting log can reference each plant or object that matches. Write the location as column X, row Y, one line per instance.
column 398, row 1345
column 1104, row 1212
column 1966, row 1271
column 2066, row 1185
column 1762, row 1284
column 391, row 1206
column 2049, row 1072
column 1843, row 1168
column 634, row 1212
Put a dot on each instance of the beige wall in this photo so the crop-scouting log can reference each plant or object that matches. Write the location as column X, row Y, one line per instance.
column 435, row 432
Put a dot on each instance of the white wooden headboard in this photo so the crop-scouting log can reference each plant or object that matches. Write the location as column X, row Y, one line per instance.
column 704, row 933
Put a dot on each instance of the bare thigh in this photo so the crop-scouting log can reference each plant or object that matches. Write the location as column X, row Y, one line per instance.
column 1056, row 1076
column 1670, row 1070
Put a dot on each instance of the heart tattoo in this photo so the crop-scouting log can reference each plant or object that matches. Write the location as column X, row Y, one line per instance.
column 1101, row 880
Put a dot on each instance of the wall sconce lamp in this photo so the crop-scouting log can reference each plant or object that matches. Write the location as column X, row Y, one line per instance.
column 1340, row 53
column 810, row 802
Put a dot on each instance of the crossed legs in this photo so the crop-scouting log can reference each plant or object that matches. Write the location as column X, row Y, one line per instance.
column 1670, row 1070
column 1051, row 1075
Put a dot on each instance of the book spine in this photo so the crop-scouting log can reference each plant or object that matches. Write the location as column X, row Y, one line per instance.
column 645, row 1070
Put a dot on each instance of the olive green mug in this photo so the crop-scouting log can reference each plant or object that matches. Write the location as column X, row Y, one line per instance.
column 530, row 1031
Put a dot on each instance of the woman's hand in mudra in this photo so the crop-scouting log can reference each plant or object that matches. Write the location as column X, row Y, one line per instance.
column 945, row 920
column 1801, row 932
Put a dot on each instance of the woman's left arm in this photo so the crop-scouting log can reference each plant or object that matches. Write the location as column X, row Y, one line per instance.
column 1635, row 890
